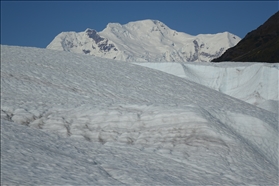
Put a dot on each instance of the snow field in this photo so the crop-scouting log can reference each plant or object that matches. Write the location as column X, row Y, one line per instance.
column 97, row 121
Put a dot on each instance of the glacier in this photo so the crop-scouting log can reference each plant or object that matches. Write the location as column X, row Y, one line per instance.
column 76, row 119
column 254, row 83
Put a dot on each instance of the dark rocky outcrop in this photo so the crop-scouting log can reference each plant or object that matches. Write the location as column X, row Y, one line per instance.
column 260, row 45
column 94, row 35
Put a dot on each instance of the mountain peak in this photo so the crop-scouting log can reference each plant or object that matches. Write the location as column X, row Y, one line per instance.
column 111, row 25
column 146, row 23
column 89, row 30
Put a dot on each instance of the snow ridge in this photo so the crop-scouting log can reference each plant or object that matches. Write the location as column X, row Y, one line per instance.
column 145, row 40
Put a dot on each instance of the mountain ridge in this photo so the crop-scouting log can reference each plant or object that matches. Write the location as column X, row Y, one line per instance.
column 144, row 40
column 259, row 45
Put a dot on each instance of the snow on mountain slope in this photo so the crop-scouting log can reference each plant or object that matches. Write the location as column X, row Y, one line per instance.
column 255, row 83
column 145, row 127
column 146, row 40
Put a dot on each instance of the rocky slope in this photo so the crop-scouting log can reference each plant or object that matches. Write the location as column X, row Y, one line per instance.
column 259, row 45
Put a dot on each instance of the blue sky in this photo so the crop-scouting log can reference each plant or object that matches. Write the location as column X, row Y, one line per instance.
column 35, row 24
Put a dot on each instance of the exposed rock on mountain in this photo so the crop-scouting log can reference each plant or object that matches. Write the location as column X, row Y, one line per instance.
column 259, row 45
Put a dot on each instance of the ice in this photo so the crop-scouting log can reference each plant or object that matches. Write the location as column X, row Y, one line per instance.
column 254, row 83
column 81, row 120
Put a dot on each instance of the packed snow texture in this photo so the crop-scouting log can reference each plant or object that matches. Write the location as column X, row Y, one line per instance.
column 98, row 121
column 254, row 83
column 145, row 40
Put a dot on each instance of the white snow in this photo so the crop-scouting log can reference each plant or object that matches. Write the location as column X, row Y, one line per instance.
column 145, row 40
column 95, row 121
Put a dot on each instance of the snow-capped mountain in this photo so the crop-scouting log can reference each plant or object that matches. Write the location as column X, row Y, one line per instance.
column 146, row 40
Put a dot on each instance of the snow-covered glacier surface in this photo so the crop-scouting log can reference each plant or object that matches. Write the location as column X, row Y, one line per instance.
column 254, row 83
column 70, row 119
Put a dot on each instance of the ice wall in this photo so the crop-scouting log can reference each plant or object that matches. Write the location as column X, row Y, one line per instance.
column 255, row 83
